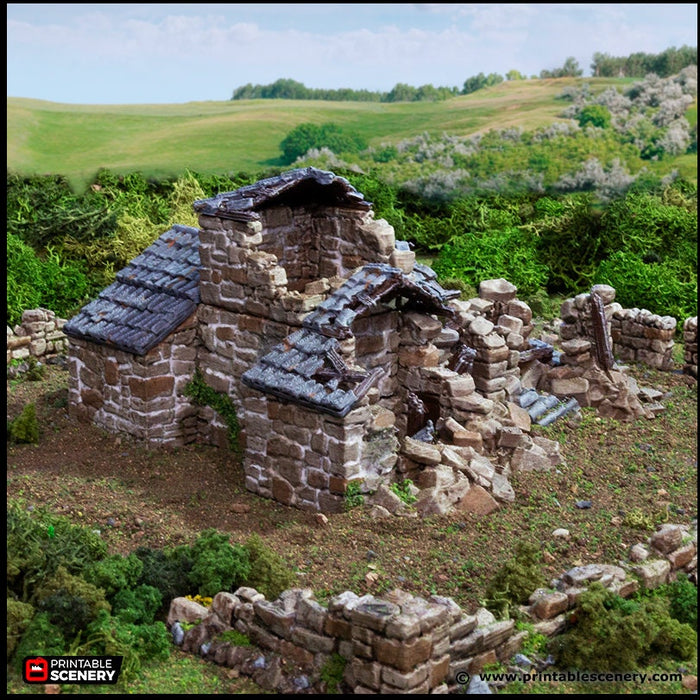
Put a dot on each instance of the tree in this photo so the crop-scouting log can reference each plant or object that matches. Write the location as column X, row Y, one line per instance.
column 570, row 69
column 515, row 75
column 306, row 136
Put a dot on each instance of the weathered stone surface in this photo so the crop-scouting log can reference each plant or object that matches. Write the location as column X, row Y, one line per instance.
column 478, row 500
column 547, row 604
column 186, row 610
column 404, row 656
column 653, row 572
column 497, row 290
column 421, row 452
column 667, row 538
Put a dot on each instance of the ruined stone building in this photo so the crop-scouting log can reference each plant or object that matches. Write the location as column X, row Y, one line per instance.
column 345, row 359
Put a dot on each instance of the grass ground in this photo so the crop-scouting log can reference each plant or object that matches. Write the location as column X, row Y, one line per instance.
column 219, row 137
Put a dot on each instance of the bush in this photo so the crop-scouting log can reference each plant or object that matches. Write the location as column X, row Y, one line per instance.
column 167, row 570
column 25, row 428
column 19, row 615
column 138, row 606
column 663, row 288
column 608, row 633
column 111, row 636
column 114, row 573
column 70, row 602
column 269, row 572
column 515, row 580
column 308, row 135
column 38, row 543
column 509, row 253
column 41, row 638
column 217, row 565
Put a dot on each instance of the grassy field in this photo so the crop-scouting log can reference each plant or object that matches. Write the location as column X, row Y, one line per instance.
column 221, row 137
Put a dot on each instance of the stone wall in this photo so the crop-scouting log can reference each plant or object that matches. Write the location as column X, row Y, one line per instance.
column 39, row 334
column 401, row 643
column 690, row 339
column 640, row 336
column 141, row 396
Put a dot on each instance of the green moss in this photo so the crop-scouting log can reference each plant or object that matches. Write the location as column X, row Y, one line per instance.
column 217, row 565
column 203, row 395
column 353, row 496
column 234, row 637
column 332, row 673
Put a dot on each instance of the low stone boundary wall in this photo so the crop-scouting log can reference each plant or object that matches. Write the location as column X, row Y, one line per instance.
column 690, row 339
column 401, row 643
column 640, row 336
column 39, row 334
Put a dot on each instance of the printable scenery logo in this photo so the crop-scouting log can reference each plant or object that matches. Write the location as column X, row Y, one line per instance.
column 72, row 669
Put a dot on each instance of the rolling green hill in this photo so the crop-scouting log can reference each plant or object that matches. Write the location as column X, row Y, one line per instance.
column 221, row 137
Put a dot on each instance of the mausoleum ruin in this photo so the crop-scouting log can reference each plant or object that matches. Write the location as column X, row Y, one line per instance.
column 345, row 359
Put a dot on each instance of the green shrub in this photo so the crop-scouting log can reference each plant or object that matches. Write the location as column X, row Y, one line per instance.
column 38, row 543
column 234, row 637
column 353, row 496
column 595, row 115
column 269, row 572
column 609, row 633
column 137, row 606
column 167, row 570
column 25, row 428
column 515, row 580
column 308, row 135
column 684, row 601
column 70, row 602
column 114, row 573
column 509, row 253
column 19, row 615
column 217, row 565
column 664, row 288
column 41, row 638
column 111, row 636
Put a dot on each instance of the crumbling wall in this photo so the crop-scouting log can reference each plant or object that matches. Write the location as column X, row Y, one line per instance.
column 39, row 334
column 141, row 396
column 640, row 336
column 401, row 643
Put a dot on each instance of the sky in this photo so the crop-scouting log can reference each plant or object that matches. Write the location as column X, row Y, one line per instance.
column 177, row 53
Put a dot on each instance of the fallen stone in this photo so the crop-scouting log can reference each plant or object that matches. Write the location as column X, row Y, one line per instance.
column 653, row 573
column 667, row 538
column 478, row 500
column 421, row 452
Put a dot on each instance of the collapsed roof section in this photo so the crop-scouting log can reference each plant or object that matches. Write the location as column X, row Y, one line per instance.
column 307, row 369
column 150, row 298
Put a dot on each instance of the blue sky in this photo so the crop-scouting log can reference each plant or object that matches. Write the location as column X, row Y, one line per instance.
column 176, row 53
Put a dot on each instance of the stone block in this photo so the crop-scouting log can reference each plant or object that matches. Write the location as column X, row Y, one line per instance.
column 477, row 500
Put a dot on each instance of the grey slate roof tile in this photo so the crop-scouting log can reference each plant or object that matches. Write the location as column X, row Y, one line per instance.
column 289, row 370
column 245, row 203
column 149, row 299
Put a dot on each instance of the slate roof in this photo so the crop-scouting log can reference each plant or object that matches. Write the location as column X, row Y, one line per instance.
column 306, row 367
column 293, row 187
column 149, row 299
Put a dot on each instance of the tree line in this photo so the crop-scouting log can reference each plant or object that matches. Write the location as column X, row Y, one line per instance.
column 637, row 65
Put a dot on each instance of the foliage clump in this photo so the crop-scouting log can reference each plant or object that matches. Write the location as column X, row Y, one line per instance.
column 137, row 606
column 166, row 569
column 269, row 572
column 25, row 428
column 19, row 615
column 515, row 580
column 114, row 573
column 404, row 492
column 41, row 638
column 217, row 564
column 609, row 633
column 70, row 602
